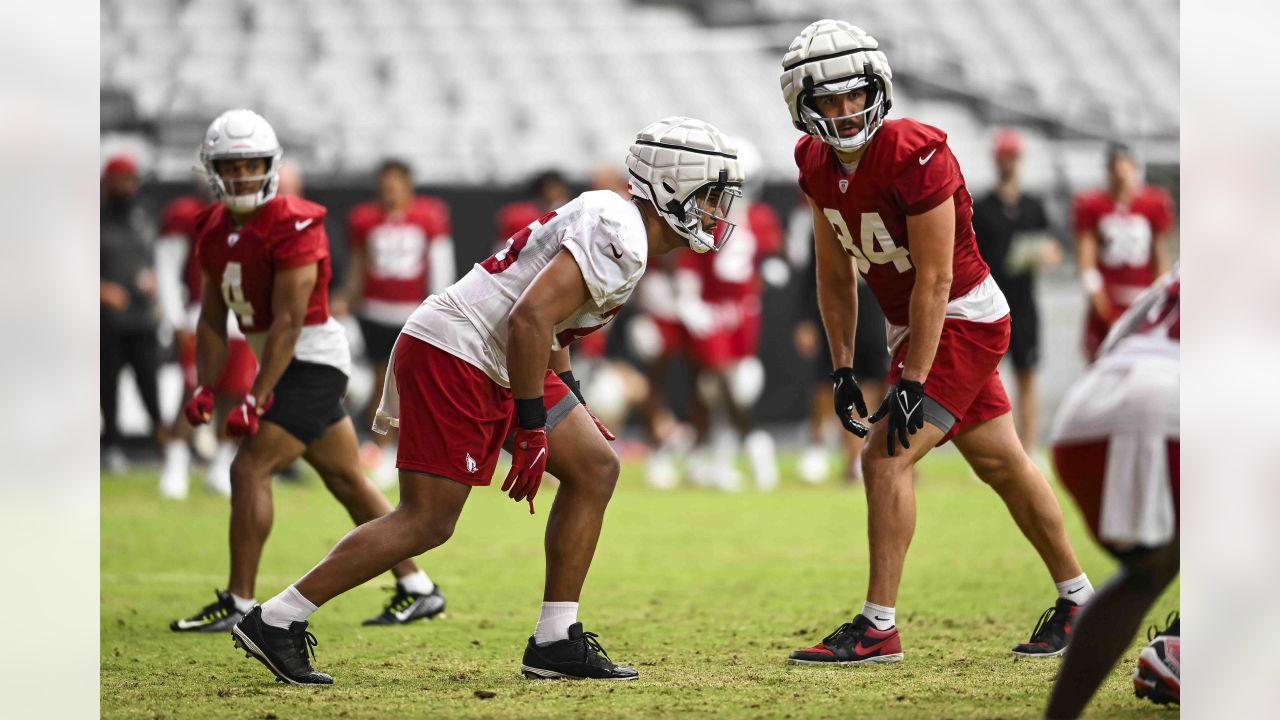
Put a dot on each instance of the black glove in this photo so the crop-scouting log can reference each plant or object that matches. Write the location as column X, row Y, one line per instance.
column 904, row 406
column 849, row 396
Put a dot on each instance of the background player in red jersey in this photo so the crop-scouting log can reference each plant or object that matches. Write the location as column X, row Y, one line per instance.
column 1116, row 447
column 401, row 251
column 178, row 292
column 488, row 357
column 548, row 190
column 887, row 197
column 719, row 305
column 1122, row 242
column 266, row 258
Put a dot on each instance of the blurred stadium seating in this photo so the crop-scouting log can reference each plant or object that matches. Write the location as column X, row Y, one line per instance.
column 492, row 90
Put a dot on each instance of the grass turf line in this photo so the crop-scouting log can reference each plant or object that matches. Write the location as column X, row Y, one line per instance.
column 704, row 592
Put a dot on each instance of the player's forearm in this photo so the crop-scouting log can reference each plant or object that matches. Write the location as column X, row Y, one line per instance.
column 277, row 353
column 838, row 305
column 926, row 314
column 528, row 351
column 211, row 350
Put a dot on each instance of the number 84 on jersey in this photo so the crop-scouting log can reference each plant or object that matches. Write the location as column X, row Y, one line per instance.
column 874, row 245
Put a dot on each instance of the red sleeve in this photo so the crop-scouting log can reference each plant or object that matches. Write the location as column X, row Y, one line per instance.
column 1085, row 215
column 357, row 226
column 1161, row 213
column 301, row 248
column 921, row 187
column 767, row 229
column 800, row 147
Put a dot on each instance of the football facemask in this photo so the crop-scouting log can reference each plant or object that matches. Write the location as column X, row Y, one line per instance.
column 835, row 131
column 704, row 219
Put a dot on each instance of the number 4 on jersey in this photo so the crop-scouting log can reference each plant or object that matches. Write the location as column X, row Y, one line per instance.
column 875, row 246
column 233, row 294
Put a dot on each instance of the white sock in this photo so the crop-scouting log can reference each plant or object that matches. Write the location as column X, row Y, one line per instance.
column 287, row 608
column 555, row 621
column 880, row 616
column 1078, row 589
column 242, row 605
column 417, row 583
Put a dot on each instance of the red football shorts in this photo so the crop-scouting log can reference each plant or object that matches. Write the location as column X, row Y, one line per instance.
column 965, row 377
column 1121, row 504
column 237, row 375
column 735, row 337
column 453, row 418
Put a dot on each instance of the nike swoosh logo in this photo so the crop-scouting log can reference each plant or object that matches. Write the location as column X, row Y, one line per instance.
column 303, row 223
column 404, row 614
column 863, row 651
column 188, row 624
column 1073, row 592
column 880, row 618
column 537, row 457
column 616, row 253
column 925, row 159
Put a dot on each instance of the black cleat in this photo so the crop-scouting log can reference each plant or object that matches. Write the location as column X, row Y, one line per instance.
column 220, row 616
column 580, row 657
column 405, row 607
column 1052, row 633
column 284, row 652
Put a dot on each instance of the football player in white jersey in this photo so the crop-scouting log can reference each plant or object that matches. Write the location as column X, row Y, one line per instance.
column 487, row 358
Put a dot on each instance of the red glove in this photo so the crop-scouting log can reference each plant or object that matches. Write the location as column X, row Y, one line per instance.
column 528, row 461
column 199, row 409
column 244, row 419
column 608, row 435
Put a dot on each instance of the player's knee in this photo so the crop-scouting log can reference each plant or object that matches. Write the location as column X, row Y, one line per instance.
column 344, row 482
column 993, row 471
column 878, row 468
column 597, row 475
column 433, row 534
column 248, row 472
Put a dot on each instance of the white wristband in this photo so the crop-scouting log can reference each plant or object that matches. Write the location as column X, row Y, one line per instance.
column 1092, row 280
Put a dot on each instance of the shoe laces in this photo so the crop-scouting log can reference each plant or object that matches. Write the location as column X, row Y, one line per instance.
column 307, row 645
column 400, row 600
column 214, row 610
column 592, row 643
column 846, row 630
column 1155, row 631
column 1048, row 621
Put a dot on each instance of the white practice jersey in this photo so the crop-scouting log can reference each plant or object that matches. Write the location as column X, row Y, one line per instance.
column 606, row 236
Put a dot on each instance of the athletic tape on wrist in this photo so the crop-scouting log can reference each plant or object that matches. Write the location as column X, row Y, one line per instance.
column 531, row 413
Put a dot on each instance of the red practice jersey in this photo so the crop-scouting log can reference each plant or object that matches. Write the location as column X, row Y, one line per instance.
column 285, row 233
column 179, row 219
column 906, row 170
column 396, row 243
column 1126, row 235
column 733, row 272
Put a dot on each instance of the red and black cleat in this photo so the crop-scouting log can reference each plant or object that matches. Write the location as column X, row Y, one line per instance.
column 855, row 643
column 1052, row 633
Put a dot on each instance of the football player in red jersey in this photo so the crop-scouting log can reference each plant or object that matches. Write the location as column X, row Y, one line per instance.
column 178, row 291
column 1116, row 448
column 888, row 199
column 1122, row 243
column 265, row 257
column 488, row 359
column 401, row 251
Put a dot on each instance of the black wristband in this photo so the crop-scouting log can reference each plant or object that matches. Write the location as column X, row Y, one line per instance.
column 572, row 382
column 844, row 373
column 912, row 385
column 531, row 413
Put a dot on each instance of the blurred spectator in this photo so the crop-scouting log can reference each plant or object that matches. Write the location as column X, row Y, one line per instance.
column 1122, row 242
column 127, row 304
column 178, row 284
column 401, row 251
column 1013, row 236
column 548, row 190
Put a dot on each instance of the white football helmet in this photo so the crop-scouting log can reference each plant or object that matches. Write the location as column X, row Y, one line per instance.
column 829, row 57
column 241, row 134
column 689, row 170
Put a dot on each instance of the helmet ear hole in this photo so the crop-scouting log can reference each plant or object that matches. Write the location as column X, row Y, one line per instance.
column 666, row 185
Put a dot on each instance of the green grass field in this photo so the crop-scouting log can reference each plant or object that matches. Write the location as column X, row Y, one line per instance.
column 705, row 593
